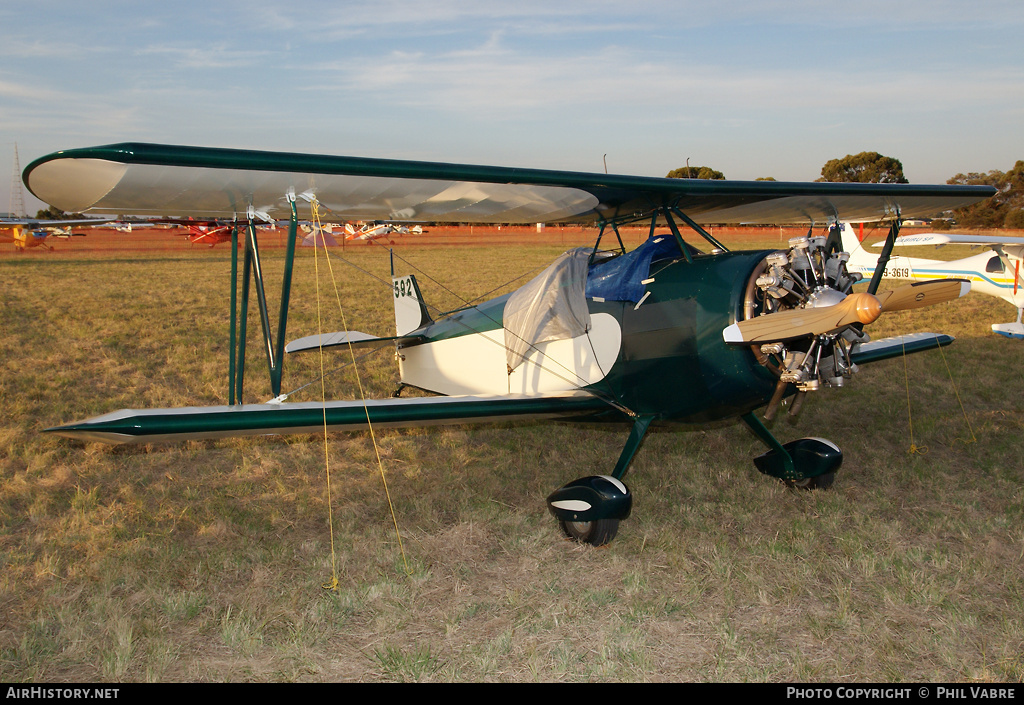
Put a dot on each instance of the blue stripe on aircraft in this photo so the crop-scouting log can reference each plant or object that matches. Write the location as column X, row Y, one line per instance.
column 951, row 273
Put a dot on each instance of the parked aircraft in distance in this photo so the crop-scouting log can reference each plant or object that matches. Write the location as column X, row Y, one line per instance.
column 373, row 231
column 27, row 233
column 996, row 272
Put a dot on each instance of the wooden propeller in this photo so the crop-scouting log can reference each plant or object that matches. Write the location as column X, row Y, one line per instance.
column 855, row 308
column 921, row 294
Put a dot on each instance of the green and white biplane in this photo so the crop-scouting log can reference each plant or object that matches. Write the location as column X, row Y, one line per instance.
column 663, row 334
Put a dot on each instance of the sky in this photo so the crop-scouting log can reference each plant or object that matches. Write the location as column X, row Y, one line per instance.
column 752, row 88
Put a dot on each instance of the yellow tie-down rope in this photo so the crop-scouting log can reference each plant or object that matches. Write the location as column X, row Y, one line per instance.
column 959, row 401
column 914, row 448
column 921, row 450
column 333, row 584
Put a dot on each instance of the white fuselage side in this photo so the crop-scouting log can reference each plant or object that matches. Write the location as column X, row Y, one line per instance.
column 987, row 272
column 476, row 363
column 973, row 268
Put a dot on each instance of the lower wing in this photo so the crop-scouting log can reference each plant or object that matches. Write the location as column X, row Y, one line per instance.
column 199, row 422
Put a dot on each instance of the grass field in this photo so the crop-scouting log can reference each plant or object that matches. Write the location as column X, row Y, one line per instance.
column 207, row 561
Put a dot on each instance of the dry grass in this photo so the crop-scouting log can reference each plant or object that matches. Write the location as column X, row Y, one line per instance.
column 206, row 561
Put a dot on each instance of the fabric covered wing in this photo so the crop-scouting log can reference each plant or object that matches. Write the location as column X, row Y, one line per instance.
column 149, row 179
column 191, row 423
column 222, row 193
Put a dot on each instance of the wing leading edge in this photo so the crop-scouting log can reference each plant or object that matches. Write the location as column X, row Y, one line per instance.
column 166, row 180
column 193, row 423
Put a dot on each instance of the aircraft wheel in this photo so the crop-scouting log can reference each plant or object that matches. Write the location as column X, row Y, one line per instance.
column 597, row 533
column 821, row 482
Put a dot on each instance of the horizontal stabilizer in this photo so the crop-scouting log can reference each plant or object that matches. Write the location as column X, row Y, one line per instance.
column 353, row 338
column 198, row 422
column 1009, row 330
column 897, row 346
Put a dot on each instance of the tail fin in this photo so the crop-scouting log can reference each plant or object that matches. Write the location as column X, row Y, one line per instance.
column 410, row 311
column 850, row 242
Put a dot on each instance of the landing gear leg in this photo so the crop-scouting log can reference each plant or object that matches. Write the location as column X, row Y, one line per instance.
column 807, row 463
column 589, row 509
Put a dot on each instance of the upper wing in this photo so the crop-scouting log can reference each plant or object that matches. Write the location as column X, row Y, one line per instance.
column 222, row 183
column 952, row 239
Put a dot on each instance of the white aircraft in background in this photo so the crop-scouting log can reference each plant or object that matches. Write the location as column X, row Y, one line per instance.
column 372, row 231
column 996, row 272
column 119, row 226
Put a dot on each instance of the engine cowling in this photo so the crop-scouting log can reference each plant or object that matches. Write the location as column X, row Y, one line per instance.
column 810, row 274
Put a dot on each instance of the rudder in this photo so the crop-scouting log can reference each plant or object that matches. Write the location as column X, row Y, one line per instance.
column 410, row 311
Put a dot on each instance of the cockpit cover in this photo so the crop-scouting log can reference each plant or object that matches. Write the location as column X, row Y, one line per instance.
column 621, row 278
column 550, row 307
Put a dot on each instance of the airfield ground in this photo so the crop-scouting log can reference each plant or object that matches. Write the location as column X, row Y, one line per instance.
column 208, row 561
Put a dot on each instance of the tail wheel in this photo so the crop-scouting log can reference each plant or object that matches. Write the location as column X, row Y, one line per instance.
column 596, row 533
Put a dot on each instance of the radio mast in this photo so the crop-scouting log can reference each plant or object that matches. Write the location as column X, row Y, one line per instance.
column 16, row 205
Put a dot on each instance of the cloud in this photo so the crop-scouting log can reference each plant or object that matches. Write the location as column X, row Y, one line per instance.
column 542, row 81
column 394, row 19
column 495, row 80
column 207, row 56
column 30, row 92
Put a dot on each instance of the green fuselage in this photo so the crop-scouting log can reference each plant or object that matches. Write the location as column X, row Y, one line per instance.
column 673, row 364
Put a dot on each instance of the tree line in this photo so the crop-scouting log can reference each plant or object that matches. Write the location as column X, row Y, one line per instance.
column 1004, row 210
